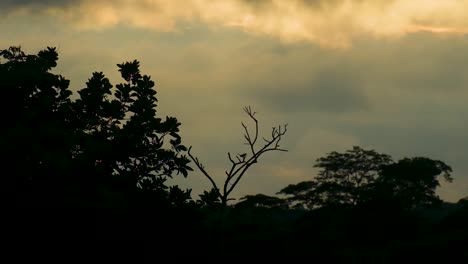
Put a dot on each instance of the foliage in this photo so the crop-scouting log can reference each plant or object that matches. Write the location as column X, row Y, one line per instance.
column 108, row 138
column 37, row 131
column 261, row 200
column 301, row 194
column 344, row 179
column 210, row 199
column 411, row 182
column 361, row 177
column 125, row 134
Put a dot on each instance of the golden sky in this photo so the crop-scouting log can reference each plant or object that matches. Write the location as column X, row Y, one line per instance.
column 384, row 74
column 331, row 23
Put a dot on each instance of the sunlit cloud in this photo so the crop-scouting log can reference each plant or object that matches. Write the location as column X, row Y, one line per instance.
column 328, row 23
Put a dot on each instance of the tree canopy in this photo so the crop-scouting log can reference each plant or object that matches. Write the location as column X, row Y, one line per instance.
column 362, row 177
column 76, row 148
column 411, row 182
column 344, row 178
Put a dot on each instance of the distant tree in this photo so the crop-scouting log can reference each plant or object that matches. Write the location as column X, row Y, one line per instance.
column 302, row 194
column 110, row 138
column 263, row 201
column 361, row 177
column 463, row 201
column 344, row 179
column 411, row 182
column 240, row 163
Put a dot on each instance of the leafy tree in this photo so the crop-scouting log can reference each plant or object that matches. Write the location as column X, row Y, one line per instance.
column 122, row 137
column 262, row 200
column 411, row 182
column 361, row 177
column 344, row 179
column 78, row 151
column 241, row 162
column 36, row 124
column 301, row 195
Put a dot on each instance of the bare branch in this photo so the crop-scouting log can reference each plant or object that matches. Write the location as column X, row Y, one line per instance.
column 230, row 158
column 245, row 127
column 276, row 138
column 230, row 175
column 244, row 169
column 233, row 166
column 251, row 142
column 271, row 145
column 202, row 169
column 241, row 163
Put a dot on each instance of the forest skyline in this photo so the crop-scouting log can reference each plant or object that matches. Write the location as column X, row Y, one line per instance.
column 401, row 93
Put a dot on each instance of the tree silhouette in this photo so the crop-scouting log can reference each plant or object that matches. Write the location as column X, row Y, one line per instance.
column 344, row 179
column 75, row 152
column 361, row 177
column 411, row 182
column 123, row 141
column 36, row 125
column 242, row 162
column 262, row 200
column 301, row 195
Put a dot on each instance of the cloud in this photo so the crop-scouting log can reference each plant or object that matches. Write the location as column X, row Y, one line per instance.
column 330, row 91
column 328, row 23
column 10, row 5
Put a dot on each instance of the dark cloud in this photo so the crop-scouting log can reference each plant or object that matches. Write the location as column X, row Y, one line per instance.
column 9, row 5
column 421, row 63
column 328, row 91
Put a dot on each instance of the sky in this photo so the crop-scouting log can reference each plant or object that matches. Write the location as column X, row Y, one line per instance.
column 388, row 75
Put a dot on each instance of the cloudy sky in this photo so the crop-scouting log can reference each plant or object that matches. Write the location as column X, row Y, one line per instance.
column 390, row 75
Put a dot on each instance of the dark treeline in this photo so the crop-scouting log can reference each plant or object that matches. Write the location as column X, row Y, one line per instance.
column 95, row 169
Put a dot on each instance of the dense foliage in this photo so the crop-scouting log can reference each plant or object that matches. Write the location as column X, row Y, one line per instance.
column 360, row 177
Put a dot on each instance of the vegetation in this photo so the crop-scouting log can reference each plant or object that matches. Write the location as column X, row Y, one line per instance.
column 100, row 161
column 361, row 177
column 242, row 162
column 95, row 169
